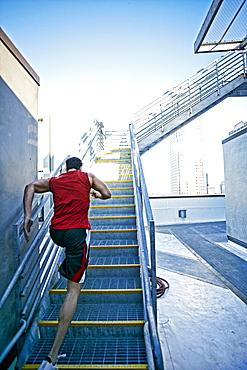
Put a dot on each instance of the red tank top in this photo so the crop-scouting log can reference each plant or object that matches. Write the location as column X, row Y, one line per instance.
column 71, row 200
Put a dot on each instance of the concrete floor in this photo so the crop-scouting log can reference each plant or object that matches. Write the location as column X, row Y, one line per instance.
column 202, row 323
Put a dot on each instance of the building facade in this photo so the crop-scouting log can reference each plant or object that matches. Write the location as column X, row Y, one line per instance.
column 187, row 159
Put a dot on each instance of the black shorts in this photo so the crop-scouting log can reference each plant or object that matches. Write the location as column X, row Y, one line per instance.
column 76, row 244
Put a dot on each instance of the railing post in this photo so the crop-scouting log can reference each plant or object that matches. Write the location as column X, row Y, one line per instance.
column 245, row 62
column 217, row 77
column 190, row 106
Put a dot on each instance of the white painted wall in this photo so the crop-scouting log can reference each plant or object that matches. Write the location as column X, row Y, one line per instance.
column 198, row 209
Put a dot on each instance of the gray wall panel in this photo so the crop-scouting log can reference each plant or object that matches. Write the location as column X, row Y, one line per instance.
column 18, row 166
column 235, row 163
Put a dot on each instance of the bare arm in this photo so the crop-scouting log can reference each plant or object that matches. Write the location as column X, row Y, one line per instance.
column 38, row 186
column 102, row 190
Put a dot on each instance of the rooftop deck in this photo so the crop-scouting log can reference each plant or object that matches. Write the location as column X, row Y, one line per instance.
column 203, row 316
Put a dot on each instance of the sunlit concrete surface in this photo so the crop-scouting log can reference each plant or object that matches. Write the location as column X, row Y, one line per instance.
column 202, row 323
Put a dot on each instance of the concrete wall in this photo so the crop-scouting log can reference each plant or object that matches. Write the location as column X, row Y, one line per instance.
column 198, row 209
column 235, row 167
column 18, row 164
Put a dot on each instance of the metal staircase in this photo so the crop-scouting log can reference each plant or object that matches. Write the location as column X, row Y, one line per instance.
column 225, row 77
column 111, row 327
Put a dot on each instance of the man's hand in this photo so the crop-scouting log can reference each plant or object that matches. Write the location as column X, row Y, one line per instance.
column 99, row 189
column 38, row 186
column 95, row 194
column 27, row 227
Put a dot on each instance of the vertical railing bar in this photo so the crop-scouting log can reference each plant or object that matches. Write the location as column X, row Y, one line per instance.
column 30, row 278
column 43, row 287
column 34, row 286
column 245, row 63
column 37, row 241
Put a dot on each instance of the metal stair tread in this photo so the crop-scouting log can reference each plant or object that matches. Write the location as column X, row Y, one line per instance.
column 123, row 188
column 99, row 312
column 116, row 260
column 116, row 196
column 102, row 216
column 112, row 283
column 112, row 205
column 114, row 243
column 105, row 323
column 117, row 181
column 103, row 351
column 106, row 246
column 105, row 283
column 114, row 229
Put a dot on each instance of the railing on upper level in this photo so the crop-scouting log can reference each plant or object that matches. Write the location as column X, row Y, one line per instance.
column 184, row 97
column 148, row 260
column 92, row 142
column 39, row 258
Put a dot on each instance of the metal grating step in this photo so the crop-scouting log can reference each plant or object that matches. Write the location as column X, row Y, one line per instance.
column 116, row 160
column 116, row 217
column 113, row 271
column 111, row 223
column 106, row 220
column 114, row 250
column 117, row 228
column 113, row 210
column 114, row 242
column 119, row 191
column 128, row 233
column 106, row 283
column 99, row 312
column 114, row 200
column 106, row 296
column 122, row 260
column 112, row 283
column 119, row 183
column 94, row 351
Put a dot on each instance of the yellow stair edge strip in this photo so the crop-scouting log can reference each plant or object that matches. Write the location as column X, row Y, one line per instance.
column 120, row 149
column 110, row 153
column 119, row 181
column 119, row 196
column 99, row 291
column 110, row 217
column 92, row 367
column 114, row 206
column 129, row 323
column 113, row 231
column 112, row 160
column 134, row 265
column 124, row 188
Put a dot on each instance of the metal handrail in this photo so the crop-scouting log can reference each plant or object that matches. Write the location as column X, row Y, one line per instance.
column 184, row 97
column 92, row 142
column 49, row 254
column 148, row 264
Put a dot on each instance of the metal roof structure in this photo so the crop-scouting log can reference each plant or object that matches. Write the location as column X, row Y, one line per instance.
column 224, row 28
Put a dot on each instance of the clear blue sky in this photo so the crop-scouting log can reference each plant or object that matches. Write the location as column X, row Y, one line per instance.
column 105, row 59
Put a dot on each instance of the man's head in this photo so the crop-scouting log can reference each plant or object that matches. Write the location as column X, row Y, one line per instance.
column 73, row 162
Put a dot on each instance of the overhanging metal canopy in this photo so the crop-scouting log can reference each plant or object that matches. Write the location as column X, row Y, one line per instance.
column 224, row 28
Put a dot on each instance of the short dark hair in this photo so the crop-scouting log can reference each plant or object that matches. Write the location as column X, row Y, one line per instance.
column 73, row 162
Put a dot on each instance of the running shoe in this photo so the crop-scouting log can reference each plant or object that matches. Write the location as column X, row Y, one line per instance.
column 47, row 364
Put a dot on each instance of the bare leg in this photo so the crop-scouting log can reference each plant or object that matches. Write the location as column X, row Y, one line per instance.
column 65, row 316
